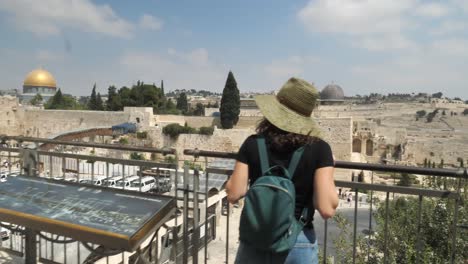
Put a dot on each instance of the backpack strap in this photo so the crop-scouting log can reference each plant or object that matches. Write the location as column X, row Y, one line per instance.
column 262, row 152
column 295, row 160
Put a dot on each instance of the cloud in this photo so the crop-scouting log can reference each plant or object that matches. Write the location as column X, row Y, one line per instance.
column 451, row 47
column 292, row 66
column 436, row 67
column 179, row 70
column 150, row 22
column 449, row 27
column 386, row 42
column 383, row 25
column 355, row 17
column 432, row 10
column 47, row 56
column 48, row 17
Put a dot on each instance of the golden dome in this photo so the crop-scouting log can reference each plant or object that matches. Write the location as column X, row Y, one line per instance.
column 40, row 78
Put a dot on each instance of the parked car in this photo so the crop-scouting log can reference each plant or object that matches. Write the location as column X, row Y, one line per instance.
column 111, row 181
column 14, row 173
column 145, row 184
column 125, row 183
column 97, row 180
column 3, row 176
column 5, row 233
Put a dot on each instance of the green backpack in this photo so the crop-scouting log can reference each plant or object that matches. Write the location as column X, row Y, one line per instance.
column 268, row 219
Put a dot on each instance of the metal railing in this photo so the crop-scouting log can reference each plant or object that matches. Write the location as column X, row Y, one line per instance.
column 455, row 194
column 196, row 226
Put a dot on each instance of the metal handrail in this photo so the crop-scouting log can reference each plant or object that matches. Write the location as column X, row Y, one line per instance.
column 163, row 151
column 456, row 173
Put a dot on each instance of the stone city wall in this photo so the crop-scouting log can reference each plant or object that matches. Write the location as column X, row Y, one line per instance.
column 50, row 123
column 336, row 131
column 10, row 115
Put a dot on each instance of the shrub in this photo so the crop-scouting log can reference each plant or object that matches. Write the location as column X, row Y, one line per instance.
column 174, row 130
column 142, row 135
column 420, row 113
column 206, row 130
column 123, row 140
column 137, row 156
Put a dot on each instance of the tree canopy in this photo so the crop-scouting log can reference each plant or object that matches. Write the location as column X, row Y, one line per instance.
column 60, row 101
column 230, row 103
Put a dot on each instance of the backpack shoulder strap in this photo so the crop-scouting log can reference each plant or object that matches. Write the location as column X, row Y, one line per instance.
column 295, row 160
column 262, row 152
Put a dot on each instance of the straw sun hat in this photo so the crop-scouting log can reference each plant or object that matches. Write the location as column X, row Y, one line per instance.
column 291, row 108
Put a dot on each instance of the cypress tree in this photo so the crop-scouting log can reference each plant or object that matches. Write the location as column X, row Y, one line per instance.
column 99, row 103
column 230, row 103
column 162, row 87
column 182, row 103
column 56, row 101
column 92, row 104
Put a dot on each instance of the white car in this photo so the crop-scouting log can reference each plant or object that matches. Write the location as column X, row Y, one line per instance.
column 111, row 181
column 3, row 176
column 14, row 174
column 125, row 183
column 145, row 184
column 5, row 233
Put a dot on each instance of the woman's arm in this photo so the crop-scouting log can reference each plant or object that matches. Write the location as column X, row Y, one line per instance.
column 325, row 197
column 236, row 187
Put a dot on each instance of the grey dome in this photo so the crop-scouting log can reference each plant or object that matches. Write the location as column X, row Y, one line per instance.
column 332, row 92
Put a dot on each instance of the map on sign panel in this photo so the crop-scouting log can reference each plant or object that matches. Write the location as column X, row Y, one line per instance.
column 117, row 212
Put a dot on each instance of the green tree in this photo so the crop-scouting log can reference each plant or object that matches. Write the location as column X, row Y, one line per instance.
column 182, row 103
column 37, row 100
column 420, row 113
column 199, row 110
column 92, row 103
column 137, row 156
column 56, row 101
column 99, row 103
column 230, row 103
column 65, row 102
column 114, row 102
column 437, row 95
column 405, row 180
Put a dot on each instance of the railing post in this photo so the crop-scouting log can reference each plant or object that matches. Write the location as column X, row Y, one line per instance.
column 206, row 212
column 185, row 216
column 196, row 217
column 31, row 247
column 418, row 236
column 355, row 224
column 386, row 227
column 455, row 217
column 325, row 242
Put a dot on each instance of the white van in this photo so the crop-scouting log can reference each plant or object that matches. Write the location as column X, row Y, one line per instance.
column 125, row 182
column 146, row 183
column 3, row 176
column 98, row 180
column 5, row 233
column 111, row 181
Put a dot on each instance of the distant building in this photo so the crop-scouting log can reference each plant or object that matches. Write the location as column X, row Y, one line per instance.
column 248, row 103
column 38, row 81
column 332, row 94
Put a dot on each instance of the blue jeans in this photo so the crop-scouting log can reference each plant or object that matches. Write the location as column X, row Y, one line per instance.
column 304, row 251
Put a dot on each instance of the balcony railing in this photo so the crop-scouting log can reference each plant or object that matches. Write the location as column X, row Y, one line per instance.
column 203, row 221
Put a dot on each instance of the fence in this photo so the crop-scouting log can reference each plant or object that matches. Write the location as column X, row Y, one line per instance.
column 192, row 230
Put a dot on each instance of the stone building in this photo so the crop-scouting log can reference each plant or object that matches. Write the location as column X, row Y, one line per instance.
column 332, row 94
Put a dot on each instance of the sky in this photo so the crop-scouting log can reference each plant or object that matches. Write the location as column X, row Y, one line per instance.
column 365, row 46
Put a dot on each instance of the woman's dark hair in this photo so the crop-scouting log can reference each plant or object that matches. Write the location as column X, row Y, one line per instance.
column 280, row 140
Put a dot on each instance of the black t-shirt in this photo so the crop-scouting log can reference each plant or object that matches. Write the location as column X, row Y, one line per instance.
column 316, row 155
